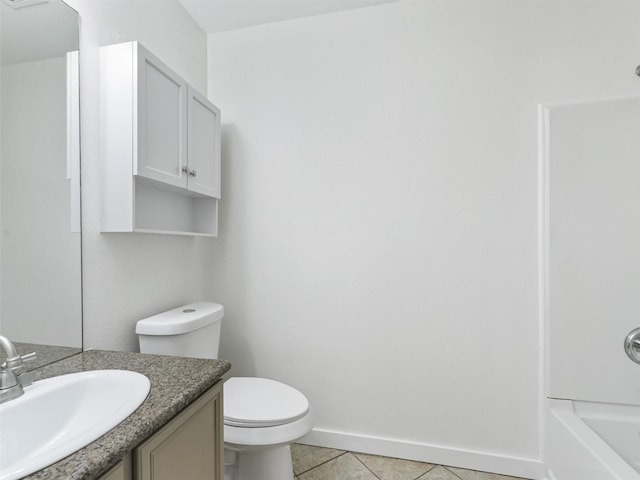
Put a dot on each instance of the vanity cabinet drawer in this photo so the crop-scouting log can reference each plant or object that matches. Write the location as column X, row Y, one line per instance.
column 190, row 446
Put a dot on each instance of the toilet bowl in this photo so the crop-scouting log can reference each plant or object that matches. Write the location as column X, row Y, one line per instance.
column 262, row 417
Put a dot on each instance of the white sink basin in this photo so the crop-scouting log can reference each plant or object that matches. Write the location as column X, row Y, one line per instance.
column 58, row 416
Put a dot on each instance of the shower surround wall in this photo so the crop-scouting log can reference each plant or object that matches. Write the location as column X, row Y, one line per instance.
column 591, row 278
column 378, row 244
column 592, row 273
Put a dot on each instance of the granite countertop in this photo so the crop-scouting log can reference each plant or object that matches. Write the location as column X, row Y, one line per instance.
column 175, row 383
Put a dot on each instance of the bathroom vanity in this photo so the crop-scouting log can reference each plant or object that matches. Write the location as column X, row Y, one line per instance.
column 182, row 448
column 171, row 435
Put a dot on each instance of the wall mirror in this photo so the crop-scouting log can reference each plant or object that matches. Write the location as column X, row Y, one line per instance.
column 40, row 262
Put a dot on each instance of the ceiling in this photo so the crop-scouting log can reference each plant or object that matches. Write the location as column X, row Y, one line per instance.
column 220, row 15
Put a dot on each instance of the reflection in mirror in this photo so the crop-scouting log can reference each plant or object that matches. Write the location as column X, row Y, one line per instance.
column 40, row 282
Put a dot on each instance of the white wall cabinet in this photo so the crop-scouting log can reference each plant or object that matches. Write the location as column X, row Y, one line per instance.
column 160, row 147
column 203, row 147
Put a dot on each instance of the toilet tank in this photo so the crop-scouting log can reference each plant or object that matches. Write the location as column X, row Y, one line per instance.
column 189, row 331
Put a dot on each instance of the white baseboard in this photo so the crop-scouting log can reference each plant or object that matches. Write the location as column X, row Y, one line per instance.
column 441, row 455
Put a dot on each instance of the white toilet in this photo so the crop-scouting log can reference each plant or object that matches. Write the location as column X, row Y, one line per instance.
column 261, row 417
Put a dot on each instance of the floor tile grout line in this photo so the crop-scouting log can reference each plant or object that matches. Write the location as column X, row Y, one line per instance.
column 452, row 473
column 354, row 454
column 433, row 465
column 365, row 466
column 322, row 463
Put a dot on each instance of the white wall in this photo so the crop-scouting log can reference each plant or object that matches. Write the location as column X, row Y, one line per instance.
column 378, row 244
column 130, row 276
column 40, row 301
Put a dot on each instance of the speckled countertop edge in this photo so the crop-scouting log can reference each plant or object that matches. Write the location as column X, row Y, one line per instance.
column 175, row 383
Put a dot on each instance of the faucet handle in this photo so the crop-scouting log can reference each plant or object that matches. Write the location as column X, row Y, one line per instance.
column 17, row 361
column 27, row 357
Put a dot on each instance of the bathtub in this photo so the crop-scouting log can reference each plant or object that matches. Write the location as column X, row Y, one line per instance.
column 592, row 441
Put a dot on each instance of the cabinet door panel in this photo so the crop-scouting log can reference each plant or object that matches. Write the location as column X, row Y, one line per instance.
column 204, row 145
column 187, row 452
column 189, row 447
column 122, row 471
column 162, row 122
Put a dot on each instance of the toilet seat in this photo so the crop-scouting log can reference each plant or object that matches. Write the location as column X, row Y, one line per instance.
column 248, row 439
column 251, row 402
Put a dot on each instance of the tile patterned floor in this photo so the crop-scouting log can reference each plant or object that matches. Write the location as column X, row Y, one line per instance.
column 316, row 463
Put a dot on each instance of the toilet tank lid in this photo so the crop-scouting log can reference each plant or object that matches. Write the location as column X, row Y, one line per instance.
column 181, row 320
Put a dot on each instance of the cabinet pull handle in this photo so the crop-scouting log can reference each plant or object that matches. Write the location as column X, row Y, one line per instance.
column 185, row 169
column 193, row 172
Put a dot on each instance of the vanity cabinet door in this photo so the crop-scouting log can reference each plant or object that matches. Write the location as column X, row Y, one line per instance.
column 204, row 145
column 189, row 447
column 122, row 471
column 162, row 121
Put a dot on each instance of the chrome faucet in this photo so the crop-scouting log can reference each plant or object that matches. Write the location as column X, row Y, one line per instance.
column 10, row 384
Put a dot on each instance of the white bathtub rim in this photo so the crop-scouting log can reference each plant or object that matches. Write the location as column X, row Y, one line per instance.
column 564, row 411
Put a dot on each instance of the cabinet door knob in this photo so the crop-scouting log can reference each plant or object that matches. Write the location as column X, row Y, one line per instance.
column 185, row 169
column 193, row 172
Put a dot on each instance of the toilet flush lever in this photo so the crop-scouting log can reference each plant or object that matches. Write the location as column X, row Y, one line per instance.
column 632, row 345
